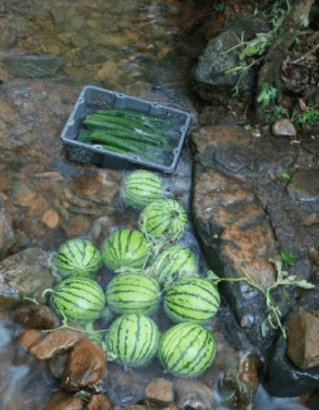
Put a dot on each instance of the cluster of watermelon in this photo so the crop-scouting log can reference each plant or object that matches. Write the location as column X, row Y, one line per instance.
column 189, row 300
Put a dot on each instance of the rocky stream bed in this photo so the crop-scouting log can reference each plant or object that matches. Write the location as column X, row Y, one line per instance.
column 251, row 191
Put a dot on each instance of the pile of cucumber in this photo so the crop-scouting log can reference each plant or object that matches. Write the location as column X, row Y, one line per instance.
column 129, row 132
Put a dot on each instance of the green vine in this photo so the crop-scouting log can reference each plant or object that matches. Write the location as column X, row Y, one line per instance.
column 274, row 315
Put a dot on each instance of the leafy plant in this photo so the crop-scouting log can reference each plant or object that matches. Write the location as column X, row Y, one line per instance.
column 285, row 176
column 309, row 118
column 267, row 94
column 287, row 258
column 273, row 319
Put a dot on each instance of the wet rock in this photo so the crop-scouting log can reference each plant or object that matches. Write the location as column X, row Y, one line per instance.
column 32, row 66
column 126, row 388
column 283, row 379
column 243, row 381
column 35, row 317
column 50, row 218
column 64, row 401
column 86, row 365
column 7, row 234
column 160, row 389
column 304, row 186
column 98, row 185
column 57, row 364
column 54, row 343
column 210, row 80
column 236, row 236
column 100, row 402
column 284, row 128
column 194, row 395
column 28, row 338
column 24, row 274
column 303, row 339
column 24, row 382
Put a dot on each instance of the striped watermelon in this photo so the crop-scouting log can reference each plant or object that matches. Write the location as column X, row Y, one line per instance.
column 174, row 263
column 77, row 257
column 133, row 339
column 164, row 217
column 192, row 299
column 125, row 248
column 187, row 349
column 133, row 293
column 141, row 187
column 79, row 298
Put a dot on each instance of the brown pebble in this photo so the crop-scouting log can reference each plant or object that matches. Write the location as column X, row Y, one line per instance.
column 86, row 365
column 160, row 389
column 50, row 218
column 27, row 338
column 100, row 402
column 55, row 342
column 36, row 317
column 64, row 401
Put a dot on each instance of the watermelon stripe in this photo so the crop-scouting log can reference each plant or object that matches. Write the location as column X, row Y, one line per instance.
column 86, row 290
column 174, row 366
column 186, row 311
column 196, row 294
column 202, row 358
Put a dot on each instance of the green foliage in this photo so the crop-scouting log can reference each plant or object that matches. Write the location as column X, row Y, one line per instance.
column 285, row 176
column 267, row 94
column 309, row 118
column 287, row 258
column 273, row 319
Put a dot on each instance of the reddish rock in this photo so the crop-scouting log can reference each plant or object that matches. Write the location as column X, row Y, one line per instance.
column 160, row 389
column 303, row 339
column 214, row 135
column 194, row 394
column 55, row 342
column 27, row 338
column 100, row 402
column 86, row 365
column 64, row 401
column 242, row 228
column 36, row 317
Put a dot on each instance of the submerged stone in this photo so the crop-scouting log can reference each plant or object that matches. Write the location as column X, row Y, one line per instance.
column 32, row 66
column 303, row 339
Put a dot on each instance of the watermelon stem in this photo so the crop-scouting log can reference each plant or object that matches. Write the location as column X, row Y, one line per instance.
column 273, row 318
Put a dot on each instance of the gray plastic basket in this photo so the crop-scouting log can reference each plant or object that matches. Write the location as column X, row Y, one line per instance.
column 94, row 98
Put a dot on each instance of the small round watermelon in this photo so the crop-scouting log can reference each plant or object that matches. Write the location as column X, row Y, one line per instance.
column 141, row 187
column 133, row 339
column 164, row 218
column 187, row 349
column 77, row 257
column 125, row 248
column 174, row 263
column 79, row 298
column 133, row 293
column 192, row 300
